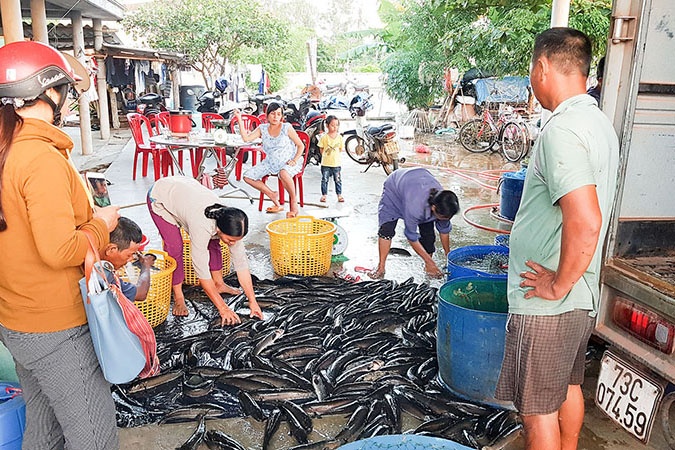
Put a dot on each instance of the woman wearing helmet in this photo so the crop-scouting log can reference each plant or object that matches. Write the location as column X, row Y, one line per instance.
column 44, row 210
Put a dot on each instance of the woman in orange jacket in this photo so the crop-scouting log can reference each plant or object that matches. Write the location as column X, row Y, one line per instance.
column 44, row 210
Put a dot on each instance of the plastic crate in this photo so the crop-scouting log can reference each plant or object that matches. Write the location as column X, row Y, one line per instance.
column 301, row 245
column 156, row 305
column 190, row 275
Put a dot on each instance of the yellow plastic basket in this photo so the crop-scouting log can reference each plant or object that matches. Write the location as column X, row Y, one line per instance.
column 301, row 246
column 156, row 305
column 190, row 275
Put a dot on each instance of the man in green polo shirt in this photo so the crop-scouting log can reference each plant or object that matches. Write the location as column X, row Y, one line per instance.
column 556, row 245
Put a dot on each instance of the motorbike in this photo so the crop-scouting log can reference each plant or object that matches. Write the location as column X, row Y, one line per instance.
column 208, row 101
column 296, row 111
column 314, row 127
column 150, row 104
column 257, row 103
column 371, row 145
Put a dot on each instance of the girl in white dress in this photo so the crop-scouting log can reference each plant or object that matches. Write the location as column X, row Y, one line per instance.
column 284, row 156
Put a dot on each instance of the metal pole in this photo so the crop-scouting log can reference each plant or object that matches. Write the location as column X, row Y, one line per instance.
column 101, row 86
column 78, row 50
column 38, row 16
column 12, row 26
column 560, row 13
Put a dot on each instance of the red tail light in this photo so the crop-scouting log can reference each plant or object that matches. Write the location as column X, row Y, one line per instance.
column 389, row 136
column 646, row 325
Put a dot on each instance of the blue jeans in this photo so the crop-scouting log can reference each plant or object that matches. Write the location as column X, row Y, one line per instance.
column 326, row 174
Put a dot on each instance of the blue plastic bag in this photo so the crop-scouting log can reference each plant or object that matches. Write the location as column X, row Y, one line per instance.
column 119, row 351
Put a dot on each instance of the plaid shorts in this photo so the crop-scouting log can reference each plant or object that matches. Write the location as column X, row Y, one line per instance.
column 543, row 355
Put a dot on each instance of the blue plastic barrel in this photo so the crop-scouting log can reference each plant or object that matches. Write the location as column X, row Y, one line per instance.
column 403, row 442
column 511, row 190
column 458, row 257
column 471, row 330
column 12, row 416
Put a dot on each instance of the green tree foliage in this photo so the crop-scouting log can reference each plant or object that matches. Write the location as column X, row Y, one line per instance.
column 494, row 35
column 208, row 32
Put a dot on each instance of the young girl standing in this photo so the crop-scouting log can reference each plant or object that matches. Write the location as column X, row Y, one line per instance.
column 331, row 144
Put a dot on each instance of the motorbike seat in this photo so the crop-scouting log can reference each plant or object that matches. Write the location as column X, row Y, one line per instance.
column 381, row 129
column 150, row 98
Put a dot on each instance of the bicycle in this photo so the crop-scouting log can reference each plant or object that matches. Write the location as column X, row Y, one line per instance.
column 481, row 135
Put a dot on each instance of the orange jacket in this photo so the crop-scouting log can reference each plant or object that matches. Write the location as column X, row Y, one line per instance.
column 46, row 205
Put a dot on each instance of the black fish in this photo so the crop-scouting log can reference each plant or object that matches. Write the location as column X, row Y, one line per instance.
column 250, row 406
column 197, row 436
column 355, row 424
column 271, row 427
column 299, row 415
column 217, row 440
column 190, row 413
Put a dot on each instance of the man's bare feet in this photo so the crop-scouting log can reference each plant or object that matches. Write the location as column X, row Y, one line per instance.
column 179, row 308
column 227, row 289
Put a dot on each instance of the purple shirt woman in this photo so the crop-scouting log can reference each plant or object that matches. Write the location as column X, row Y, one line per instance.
column 415, row 196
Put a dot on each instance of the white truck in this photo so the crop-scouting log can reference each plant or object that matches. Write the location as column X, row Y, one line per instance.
column 637, row 307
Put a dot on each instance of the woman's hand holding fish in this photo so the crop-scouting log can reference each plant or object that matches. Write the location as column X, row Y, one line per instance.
column 227, row 316
column 255, row 309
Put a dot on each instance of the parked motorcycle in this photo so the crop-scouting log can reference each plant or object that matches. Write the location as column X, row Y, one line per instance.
column 208, row 101
column 314, row 127
column 150, row 104
column 296, row 111
column 257, row 103
column 371, row 145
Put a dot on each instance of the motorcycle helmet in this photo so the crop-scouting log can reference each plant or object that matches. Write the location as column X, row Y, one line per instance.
column 28, row 69
column 221, row 84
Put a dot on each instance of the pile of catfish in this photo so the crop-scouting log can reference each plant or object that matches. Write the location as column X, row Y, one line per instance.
column 363, row 351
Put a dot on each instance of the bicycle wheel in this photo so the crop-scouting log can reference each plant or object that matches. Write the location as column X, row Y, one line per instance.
column 477, row 136
column 355, row 147
column 514, row 141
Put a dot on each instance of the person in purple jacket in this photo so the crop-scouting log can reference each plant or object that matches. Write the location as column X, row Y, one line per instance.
column 415, row 196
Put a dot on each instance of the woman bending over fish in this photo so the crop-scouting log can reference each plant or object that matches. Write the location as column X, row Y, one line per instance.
column 181, row 202
column 415, row 196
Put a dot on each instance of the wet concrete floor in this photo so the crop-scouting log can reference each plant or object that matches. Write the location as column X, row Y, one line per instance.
column 457, row 169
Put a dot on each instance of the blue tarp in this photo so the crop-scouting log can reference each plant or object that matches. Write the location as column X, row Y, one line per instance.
column 504, row 90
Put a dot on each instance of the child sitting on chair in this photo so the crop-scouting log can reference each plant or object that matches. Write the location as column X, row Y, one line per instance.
column 330, row 145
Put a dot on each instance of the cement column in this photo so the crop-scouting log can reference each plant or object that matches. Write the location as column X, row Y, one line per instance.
column 100, row 82
column 12, row 27
column 38, row 16
column 78, row 50
column 560, row 13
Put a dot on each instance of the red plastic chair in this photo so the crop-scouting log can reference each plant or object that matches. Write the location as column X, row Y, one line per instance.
column 197, row 154
column 297, row 179
column 262, row 117
column 251, row 123
column 141, row 130
column 207, row 117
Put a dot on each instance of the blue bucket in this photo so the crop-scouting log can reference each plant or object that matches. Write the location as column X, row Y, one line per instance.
column 403, row 442
column 458, row 257
column 511, row 191
column 12, row 416
column 471, row 331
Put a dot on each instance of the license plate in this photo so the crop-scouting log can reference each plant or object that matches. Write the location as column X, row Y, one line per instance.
column 627, row 395
column 391, row 148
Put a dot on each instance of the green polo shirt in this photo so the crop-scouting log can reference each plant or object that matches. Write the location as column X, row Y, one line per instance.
column 577, row 147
